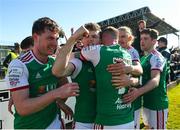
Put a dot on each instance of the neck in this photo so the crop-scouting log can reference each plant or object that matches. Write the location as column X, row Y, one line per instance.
column 150, row 50
column 128, row 47
column 42, row 58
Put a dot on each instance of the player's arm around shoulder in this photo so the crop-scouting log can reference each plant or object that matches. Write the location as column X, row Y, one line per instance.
column 157, row 64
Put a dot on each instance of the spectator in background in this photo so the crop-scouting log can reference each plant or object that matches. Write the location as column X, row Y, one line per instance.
column 13, row 54
column 162, row 48
column 136, row 44
column 175, row 60
column 27, row 44
column 141, row 26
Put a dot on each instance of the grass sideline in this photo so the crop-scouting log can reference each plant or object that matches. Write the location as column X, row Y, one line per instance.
column 174, row 108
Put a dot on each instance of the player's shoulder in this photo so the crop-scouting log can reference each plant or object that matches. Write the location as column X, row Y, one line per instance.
column 15, row 62
column 132, row 49
column 91, row 47
column 27, row 57
column 157, row 56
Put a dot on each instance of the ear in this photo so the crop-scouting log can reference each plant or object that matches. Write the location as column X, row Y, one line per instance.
column 130, row 38
column 35, row 37
column 154, row 41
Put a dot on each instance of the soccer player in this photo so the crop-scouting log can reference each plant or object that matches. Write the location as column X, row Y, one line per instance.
column 81, row 72
column 33, row 87
column 155, row 100
column 125, row 40
column 111, row 111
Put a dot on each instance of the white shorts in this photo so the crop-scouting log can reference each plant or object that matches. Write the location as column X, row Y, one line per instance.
column 56, row 124
column 155, row 119
column 129, row 125
column 80, row 125
column 137, row 119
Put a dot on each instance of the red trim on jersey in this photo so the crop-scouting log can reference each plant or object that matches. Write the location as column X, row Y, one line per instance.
column 27, row 59
column 19, row 88
column 102, row 127
column 62, row 124
column 73, row 125
column 135, row 60
column 73, row 69
column 25, row 55
column 38, row 60
column 163, row 119
column 98, row 127
column 157, row 120
column 82, row 57
column 160, row 119
column 156, row 69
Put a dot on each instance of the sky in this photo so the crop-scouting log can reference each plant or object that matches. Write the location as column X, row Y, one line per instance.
column 17, row 16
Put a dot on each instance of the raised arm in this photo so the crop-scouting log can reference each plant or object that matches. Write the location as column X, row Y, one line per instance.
column 62, row 67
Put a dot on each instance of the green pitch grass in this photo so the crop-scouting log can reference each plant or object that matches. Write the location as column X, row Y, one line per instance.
column 174, row 108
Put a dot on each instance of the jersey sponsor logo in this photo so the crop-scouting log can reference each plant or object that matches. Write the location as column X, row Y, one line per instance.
column 41, row 89
column 158, row 63
column 117, row 59
column 14, row 75
column 46, row 88
column 15, row 71
column 14, row 81
column 4, row 95
column 92, row 85
column 91, row 47
column 121, row 91
column 38, row 76
column 119, row 104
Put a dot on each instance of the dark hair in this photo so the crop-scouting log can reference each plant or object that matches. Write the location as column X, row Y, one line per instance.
column 92, row 27
column 16, row 46
column 111, row 30
column 141, row 21
column 152, row 32
column 163, row 40
column 27, row 42
column 45, row 23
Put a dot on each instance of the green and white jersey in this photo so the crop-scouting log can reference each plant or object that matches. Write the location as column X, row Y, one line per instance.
column 85, row 107
column 110, row 108
column 155, row 99
column 28, row 72
column 134, row 54
column 135, row 58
